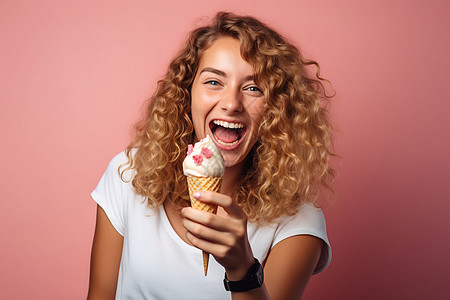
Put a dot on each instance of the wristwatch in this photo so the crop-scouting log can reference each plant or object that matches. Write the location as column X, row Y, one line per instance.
column 254, row 279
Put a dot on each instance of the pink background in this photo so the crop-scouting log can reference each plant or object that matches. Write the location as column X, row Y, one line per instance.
column 74, row 75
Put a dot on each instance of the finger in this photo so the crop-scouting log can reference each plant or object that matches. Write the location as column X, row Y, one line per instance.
column 224, row 201
column 208, row 219
column 214, row 249
column 208, row 234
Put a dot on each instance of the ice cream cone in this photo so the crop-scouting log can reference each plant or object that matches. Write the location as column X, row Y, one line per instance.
column 203, row 184
column 204, row 167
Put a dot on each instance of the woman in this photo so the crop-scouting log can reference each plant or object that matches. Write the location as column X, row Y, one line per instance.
column 240, row 83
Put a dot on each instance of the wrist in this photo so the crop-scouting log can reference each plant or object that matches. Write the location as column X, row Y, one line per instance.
column 240, row 272
column 253, row 279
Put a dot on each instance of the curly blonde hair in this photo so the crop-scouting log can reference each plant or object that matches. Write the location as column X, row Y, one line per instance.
column 290, row 161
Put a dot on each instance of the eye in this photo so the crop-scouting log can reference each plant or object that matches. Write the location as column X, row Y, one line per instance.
column 212, row 82
column 254, row 90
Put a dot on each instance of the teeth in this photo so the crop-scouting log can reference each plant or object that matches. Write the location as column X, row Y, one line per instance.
column 228, row 125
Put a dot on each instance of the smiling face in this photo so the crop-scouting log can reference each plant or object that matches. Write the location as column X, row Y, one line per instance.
column 227, row 105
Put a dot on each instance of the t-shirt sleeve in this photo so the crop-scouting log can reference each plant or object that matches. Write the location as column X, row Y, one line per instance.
column 308, row 221
column 110, row 193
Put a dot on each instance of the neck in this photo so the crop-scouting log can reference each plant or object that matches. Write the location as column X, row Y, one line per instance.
column 231, row 178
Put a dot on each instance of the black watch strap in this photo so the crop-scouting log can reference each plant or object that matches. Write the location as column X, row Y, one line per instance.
column 254, row 279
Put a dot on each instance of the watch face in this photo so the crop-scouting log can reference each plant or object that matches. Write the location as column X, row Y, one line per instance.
column 260, row 275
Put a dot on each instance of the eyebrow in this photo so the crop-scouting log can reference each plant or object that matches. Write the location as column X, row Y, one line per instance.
column 222, row 73
column 215, row 71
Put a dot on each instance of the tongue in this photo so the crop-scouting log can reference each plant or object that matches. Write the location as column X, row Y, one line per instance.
column 226, row 135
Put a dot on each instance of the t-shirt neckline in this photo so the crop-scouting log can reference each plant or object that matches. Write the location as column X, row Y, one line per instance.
column 172, row 232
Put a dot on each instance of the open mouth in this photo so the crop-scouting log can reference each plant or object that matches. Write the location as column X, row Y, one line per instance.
column 227, row 133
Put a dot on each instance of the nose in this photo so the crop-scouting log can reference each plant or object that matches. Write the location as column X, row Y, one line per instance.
column 231, row 103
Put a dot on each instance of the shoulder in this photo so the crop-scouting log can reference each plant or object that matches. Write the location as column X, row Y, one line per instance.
column 115, row 182
column 308, row 216
column 120, row 163
column 120, row 159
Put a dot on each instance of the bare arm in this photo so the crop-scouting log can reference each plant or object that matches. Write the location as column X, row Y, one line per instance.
column 288, row 269
column 290, row 265
column 105, row 259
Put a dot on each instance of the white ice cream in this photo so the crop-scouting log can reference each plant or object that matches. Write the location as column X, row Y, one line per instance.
column 204, row 160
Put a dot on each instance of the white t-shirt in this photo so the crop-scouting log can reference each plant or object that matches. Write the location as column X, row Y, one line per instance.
column 157, row 264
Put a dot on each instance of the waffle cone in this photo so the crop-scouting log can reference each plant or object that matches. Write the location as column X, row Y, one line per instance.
column 203, row 184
